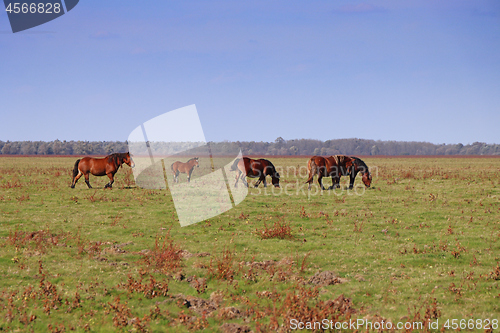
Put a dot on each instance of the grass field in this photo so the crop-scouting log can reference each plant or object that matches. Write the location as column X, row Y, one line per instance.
column 421, row 245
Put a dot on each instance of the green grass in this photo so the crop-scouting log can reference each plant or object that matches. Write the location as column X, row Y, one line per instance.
column 424, row 237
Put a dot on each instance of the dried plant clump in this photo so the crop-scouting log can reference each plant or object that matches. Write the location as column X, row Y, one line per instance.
column 165, row 257
column 280, row 229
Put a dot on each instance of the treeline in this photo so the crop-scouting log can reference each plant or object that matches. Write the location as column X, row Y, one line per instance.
column 278, row 147
column 62, row 147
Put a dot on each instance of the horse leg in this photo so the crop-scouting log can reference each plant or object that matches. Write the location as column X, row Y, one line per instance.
column 352, row 176
column 189, row 175
column 76, row 179
column 243, row 176
column 87, row 180
column 320, row 181
column 237, row 178
column 265, row 182
column 111, row 181
column 243, row 179
column 335, row 182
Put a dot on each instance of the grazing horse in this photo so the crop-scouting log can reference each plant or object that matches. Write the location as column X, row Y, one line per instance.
column 260, row 168
column 178, row 167
column 334, row 166
column 108, row 165
column 359, row 166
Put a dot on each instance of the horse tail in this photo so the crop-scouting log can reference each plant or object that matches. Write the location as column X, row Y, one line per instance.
column 312, row 168
column 234, row 167
column 75, row 169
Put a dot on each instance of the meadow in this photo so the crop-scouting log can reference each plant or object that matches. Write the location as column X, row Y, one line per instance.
column 421, row 245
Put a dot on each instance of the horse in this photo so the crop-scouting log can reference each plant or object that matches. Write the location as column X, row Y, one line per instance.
column 178, row 167
column 108, row 165
column 334, row 166
column 359, row 166
column 247, row 167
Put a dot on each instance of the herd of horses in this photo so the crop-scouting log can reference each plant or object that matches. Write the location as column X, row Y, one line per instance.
column 334, row 166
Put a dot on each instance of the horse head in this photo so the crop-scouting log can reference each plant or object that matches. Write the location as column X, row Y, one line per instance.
column 275, row 179
column 127, row 159
column 196, row 162
column 367, row 178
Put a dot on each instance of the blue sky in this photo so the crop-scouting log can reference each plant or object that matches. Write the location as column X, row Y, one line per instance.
column 256, row 70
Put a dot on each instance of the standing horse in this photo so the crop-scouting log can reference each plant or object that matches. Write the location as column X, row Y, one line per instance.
column 108, row 165
column 178, row 167
column 359, row 166
column 260, row 168
column 334, row 166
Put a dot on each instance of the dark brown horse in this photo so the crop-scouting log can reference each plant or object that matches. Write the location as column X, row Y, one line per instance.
column 108, row 165
column 334, row 166
column 178, row 167
column 359, row 166
column 247, row 167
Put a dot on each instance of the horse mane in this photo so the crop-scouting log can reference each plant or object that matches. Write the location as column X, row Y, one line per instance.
column 116, row 157
column 339, row 159
column 270, row 165
column 360, row 163
column 194, row 158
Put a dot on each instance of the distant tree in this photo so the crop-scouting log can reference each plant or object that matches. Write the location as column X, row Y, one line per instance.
column 279, row 142
column 27, row 148
column 6, row 148
column 11, row 148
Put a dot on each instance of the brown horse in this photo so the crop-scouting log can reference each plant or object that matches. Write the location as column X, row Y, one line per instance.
column 108, row 165
column 178, row 167
column 359, row 166
column 334, row 166
column 260, row 168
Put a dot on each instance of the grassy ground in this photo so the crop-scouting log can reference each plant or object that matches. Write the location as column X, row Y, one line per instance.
column 422, row 244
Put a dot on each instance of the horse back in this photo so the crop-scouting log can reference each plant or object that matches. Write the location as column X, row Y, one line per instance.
column 96, row 166
column 254, row 168
column 266, row 167
column 245, row 166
